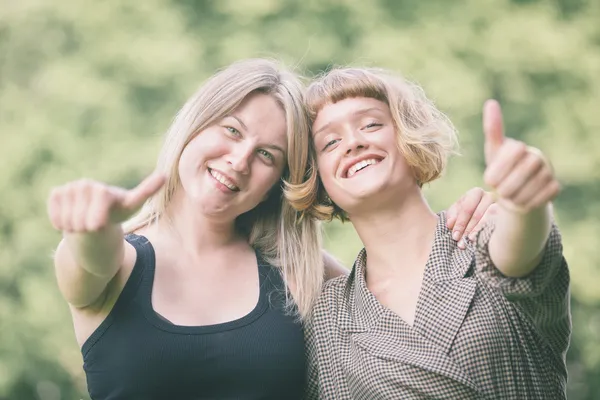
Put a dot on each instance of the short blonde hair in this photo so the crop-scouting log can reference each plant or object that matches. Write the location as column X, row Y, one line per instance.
column 426, row 137
column 275, row 228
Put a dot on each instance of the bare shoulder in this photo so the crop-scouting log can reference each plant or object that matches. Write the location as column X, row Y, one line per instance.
column 86, row 320
column 116, row 285
column 333, row 267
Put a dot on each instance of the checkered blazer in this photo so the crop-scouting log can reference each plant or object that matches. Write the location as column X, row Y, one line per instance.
column 477, row 334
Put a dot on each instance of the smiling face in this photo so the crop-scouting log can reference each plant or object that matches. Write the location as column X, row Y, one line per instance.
column 230, row 167
column 358, row 155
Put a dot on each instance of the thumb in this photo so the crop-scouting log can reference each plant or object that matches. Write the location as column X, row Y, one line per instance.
column 135, row 197
column 493, row 128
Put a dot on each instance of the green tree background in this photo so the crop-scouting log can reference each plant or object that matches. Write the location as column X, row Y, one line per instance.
column 87, row 88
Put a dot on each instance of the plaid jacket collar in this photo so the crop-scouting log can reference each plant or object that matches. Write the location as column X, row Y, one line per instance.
column 445, row 281
column 446, row 294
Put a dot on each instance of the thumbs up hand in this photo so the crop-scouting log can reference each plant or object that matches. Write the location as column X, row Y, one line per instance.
column 520, row 175
column 87, row 206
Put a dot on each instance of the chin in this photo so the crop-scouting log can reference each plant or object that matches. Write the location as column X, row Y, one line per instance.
column 374, row 195
column 369, row 189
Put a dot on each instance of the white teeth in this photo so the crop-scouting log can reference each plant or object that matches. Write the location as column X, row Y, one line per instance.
column 223, row 180
column 360, row 165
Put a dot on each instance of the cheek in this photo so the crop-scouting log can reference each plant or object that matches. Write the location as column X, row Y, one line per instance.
column 205, row 146
column 326, row 169
column 185, row 160
column 265, row 177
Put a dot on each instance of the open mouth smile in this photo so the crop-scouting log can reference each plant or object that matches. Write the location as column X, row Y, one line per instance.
column 361, row 165
column 224, row 180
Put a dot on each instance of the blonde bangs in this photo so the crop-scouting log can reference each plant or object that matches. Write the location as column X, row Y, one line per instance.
column 341, row 84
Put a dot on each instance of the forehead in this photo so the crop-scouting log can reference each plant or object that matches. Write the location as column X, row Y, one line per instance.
column 264, row 117
column 346, row 109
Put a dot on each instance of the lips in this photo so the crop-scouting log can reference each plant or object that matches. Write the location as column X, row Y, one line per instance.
column 358, row 164
column 224, row 179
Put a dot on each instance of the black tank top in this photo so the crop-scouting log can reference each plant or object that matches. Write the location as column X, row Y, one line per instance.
column 137, row 355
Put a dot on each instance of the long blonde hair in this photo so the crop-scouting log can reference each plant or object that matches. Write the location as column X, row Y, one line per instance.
column 277, row 230
column 425, row 136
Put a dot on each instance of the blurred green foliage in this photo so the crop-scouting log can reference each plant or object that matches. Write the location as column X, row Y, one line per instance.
column 87, row 88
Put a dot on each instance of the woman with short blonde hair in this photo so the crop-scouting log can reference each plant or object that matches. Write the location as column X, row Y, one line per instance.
column 420, row 317
column 426, row 137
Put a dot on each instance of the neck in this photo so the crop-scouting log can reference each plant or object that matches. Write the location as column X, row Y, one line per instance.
column 194, row 231
column 404, row 230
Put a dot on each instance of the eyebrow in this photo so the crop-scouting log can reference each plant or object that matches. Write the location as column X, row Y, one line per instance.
column 275, row 147
column 269, row 146
column 355, row 113
column 240, row 121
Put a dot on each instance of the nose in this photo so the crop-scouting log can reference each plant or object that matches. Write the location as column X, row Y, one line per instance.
column 239, row 158
column 355, row 141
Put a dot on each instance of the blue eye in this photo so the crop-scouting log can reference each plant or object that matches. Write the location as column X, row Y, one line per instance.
column 266, row 154
column 330, row 143
column 372, row 125
column 233, row 131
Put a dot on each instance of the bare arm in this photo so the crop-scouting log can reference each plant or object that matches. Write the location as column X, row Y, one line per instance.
column 517, row 244
column 333, row 268
column 86, row 262
column 525, row 184
column 93, row 248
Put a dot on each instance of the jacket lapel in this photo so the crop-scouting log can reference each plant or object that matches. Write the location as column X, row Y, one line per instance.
column 423, row 349
column 424, row 366
column 447, row 290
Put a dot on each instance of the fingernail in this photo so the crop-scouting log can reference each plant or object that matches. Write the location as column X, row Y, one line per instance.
column 455, row 235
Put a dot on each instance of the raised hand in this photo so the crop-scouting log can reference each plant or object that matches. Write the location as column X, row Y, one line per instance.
column 89, row 206
column 467, row 216
column 520, row 175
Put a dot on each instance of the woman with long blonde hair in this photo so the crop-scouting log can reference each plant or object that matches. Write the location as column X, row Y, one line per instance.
column 188, row 300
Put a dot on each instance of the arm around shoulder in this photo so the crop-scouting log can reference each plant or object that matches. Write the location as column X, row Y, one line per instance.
column 333, row 268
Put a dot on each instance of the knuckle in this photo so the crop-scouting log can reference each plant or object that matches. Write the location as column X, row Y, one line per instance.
column 489, row 197
column 555, row 187
column 470, row 207
column 477, row 191
column 518, row 147
column 86, row 184
column 103, row 193
column 535, row 160
column 488, row 178
column 70, row 188
column 546, row 175
column 459, row 226
column 54, row 197
column 477, row 215
column 55, row 191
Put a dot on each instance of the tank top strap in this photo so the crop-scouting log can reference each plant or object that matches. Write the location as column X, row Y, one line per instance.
column 269, row 276
column 272, row 284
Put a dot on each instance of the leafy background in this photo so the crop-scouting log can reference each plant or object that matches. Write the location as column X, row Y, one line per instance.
column 87, row 88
